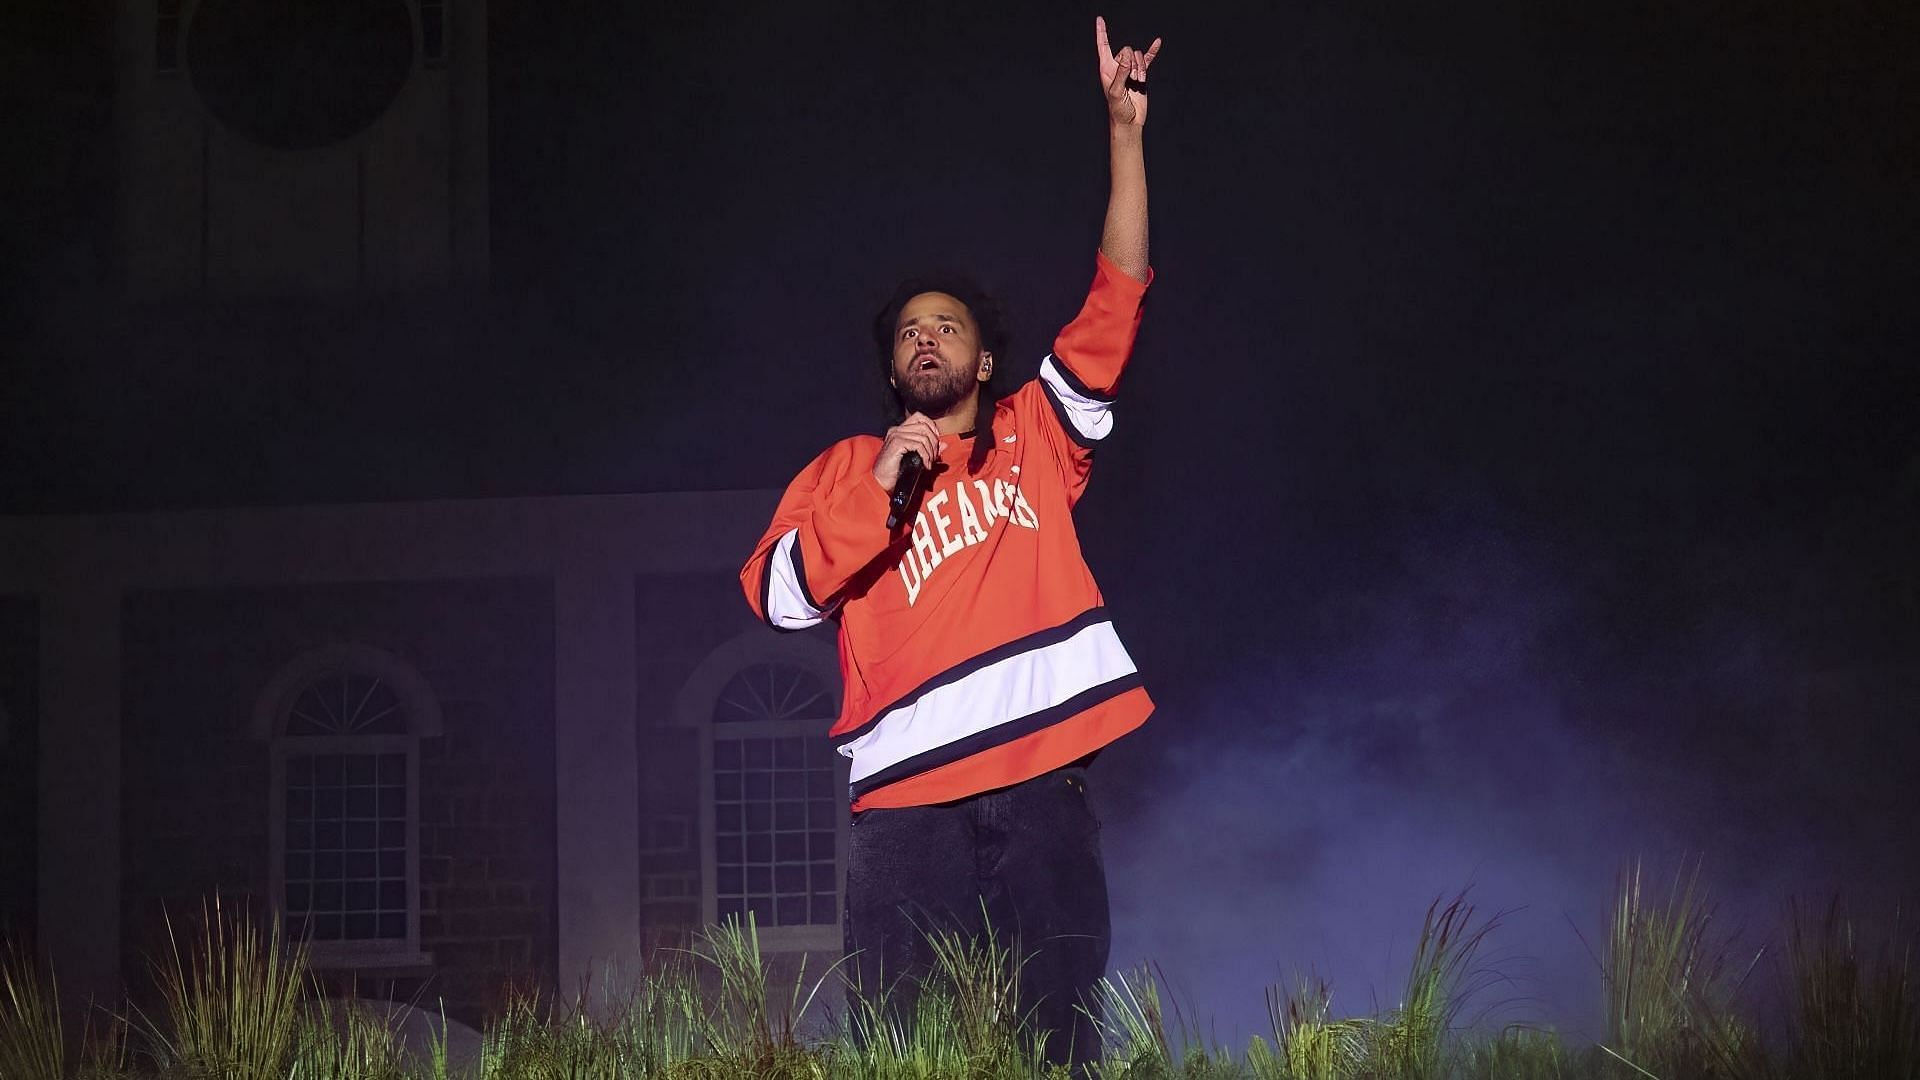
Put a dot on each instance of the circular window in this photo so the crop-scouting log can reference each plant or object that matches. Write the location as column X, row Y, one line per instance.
column 298, row 74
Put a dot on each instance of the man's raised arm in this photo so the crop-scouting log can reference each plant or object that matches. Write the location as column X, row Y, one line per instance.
column 1124, row 76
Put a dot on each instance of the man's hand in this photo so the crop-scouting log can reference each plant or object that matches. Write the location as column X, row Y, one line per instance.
column 917, row 433
column 1126, row 107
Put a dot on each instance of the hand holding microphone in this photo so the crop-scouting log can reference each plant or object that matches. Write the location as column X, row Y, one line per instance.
column 903, row 457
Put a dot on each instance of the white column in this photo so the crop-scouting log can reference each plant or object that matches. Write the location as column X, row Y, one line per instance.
column 79, row 881
column 597, row 773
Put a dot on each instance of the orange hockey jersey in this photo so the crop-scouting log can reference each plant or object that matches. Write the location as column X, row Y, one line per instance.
column 974, row 647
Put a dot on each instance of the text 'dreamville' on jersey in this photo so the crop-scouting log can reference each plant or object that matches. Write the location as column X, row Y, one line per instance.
column 952, row 518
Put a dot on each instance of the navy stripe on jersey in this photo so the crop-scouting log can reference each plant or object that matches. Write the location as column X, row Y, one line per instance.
column 972, row 744
column 1075, row 383
column 1037, row 640
column 784, row 597
column 1086, row 419
column 800, row 576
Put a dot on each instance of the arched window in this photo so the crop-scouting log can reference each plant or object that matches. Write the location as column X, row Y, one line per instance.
column 345, row 726
column 775, row 815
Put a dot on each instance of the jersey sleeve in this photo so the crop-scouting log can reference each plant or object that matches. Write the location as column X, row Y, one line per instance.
column 829, row 525
column 1077, row 380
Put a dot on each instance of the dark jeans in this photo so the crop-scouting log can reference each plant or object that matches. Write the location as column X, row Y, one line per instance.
column 1031, row 852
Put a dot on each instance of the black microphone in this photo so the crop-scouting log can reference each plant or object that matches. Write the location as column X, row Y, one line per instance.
column 910, row 466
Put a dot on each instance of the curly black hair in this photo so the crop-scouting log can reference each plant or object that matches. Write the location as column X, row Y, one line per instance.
column 988, row 319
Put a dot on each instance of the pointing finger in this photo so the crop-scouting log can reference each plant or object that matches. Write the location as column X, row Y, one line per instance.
column 1100, row 38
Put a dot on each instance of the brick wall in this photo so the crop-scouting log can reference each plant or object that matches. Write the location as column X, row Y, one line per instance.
column 486, row 877
column 680, row 621
column 19, row 764
column 196, row 779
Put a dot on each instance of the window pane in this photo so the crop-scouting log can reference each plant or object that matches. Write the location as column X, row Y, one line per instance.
column 778, row 815
column 789, row 753
column 299, row 770
column 820, row 782
column 357, row 868
column 299, row 804
column 731, row 907
column 298, row 897
column 757, row 753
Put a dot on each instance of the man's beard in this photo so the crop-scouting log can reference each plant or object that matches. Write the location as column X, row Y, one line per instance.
column 935, row 394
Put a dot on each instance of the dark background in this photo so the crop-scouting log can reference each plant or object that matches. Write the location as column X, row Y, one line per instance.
column 1517, row 473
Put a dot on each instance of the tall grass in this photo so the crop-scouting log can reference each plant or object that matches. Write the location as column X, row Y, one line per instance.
column 1310, row 1043
column 231, row 1001
column 351, row 1043
column 1669, row 988
column 32, row 1040
column 1443, row 977
column 962, row 1018
column 237, row 1003
column 1856, row 1014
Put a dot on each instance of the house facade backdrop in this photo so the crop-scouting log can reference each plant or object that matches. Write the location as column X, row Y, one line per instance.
column 456, row 746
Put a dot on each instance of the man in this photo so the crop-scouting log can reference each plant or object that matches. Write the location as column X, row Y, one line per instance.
column 980, row 668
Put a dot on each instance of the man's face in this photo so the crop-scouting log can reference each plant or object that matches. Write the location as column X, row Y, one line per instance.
column 937, row 360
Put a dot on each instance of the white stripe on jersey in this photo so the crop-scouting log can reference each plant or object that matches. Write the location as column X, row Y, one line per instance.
column 1020, row 685
column 1091, row 416
column 787, row 606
